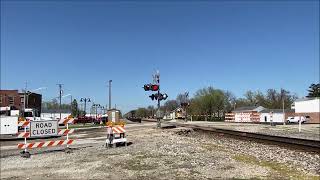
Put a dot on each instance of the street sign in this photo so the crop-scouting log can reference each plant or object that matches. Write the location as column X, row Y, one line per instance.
column 43, row 128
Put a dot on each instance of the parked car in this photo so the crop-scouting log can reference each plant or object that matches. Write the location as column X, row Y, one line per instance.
column 296, row 119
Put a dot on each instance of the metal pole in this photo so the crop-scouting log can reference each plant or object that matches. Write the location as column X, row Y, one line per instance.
column 96, row 111
column 110, row 94
column 60, row 94
column 85, row 106
column 284, row 115
column 158, row 113
column 25, row 139
column 71, row 104
column 24, row 98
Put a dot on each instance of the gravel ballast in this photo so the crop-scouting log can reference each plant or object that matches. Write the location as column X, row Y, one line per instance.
column 167, row 154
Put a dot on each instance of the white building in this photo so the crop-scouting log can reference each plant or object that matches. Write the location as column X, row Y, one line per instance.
column 247, row 114
column 308, row 107
column 276, row 115
column 54, row 115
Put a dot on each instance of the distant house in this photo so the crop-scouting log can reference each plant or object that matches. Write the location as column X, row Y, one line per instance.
column 245, row 114
column 276, row 115
column 178, row 113
column 308, row 107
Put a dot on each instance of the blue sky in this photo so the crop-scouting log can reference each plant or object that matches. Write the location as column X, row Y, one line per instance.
column 231, row 45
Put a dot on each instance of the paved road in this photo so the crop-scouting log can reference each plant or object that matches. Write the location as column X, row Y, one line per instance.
column 83, row 138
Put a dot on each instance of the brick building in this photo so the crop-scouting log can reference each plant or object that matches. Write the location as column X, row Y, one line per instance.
column 15, row 100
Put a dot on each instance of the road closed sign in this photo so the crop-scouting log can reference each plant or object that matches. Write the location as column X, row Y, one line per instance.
column 43, row 128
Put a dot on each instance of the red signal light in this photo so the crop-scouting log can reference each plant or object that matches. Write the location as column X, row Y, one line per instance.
column 155, row 87
column 146, row 87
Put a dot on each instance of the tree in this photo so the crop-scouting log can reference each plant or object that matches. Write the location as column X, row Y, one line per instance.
column 151, row 111
column 210, row 101
column 74, row 108
column 272, row 99
column 181, row 98
column 141, row 112
column 170, row 105
column 314, row 90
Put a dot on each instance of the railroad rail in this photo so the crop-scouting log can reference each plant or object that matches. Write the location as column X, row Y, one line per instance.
column 306, row 144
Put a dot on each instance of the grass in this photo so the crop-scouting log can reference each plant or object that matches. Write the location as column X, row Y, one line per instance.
column 279, row 170
column 137, row 163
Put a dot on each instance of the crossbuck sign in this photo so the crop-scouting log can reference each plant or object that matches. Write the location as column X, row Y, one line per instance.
column 43, row 128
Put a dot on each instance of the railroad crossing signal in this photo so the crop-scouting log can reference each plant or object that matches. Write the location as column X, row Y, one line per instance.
column 154, row 96
column 155, row 86
column 158, row 96
column 151, row 87
column 163, row 96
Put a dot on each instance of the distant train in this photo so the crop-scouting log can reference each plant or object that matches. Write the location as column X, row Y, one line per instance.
column 179, row 113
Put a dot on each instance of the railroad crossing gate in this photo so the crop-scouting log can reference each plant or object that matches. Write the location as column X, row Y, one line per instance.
column 116, row 134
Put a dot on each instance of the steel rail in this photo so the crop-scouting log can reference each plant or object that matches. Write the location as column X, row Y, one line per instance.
column 306, row 144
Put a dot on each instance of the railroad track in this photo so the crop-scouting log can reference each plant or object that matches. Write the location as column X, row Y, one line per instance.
column 297, row 143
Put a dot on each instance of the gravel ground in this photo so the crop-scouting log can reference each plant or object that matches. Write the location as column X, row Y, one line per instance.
column 308, row 131
column 167, row 154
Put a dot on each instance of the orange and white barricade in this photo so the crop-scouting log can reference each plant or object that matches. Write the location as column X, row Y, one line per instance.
column 31, row 133
column 115, row 135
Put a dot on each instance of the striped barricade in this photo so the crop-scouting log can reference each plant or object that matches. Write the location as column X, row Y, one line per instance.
column 118, row 130
column 62, row 132
column 24, row 124
column 45, row 144
column 116, row 134
column 66, row 121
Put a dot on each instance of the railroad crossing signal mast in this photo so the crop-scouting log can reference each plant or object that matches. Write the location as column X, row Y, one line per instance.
column 155, row 86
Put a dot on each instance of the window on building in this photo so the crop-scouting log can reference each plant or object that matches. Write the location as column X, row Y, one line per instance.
column 22, row 99
column 11, row 100
column 0, row 99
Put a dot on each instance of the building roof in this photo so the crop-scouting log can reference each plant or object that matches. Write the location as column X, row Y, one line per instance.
column 276, row 110
column 248, row 108
column 306, row 99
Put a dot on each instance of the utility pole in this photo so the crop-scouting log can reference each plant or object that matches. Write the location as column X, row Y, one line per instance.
column 24, row 98
column 186, row 105
column 110, row 94
column 60, row 95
